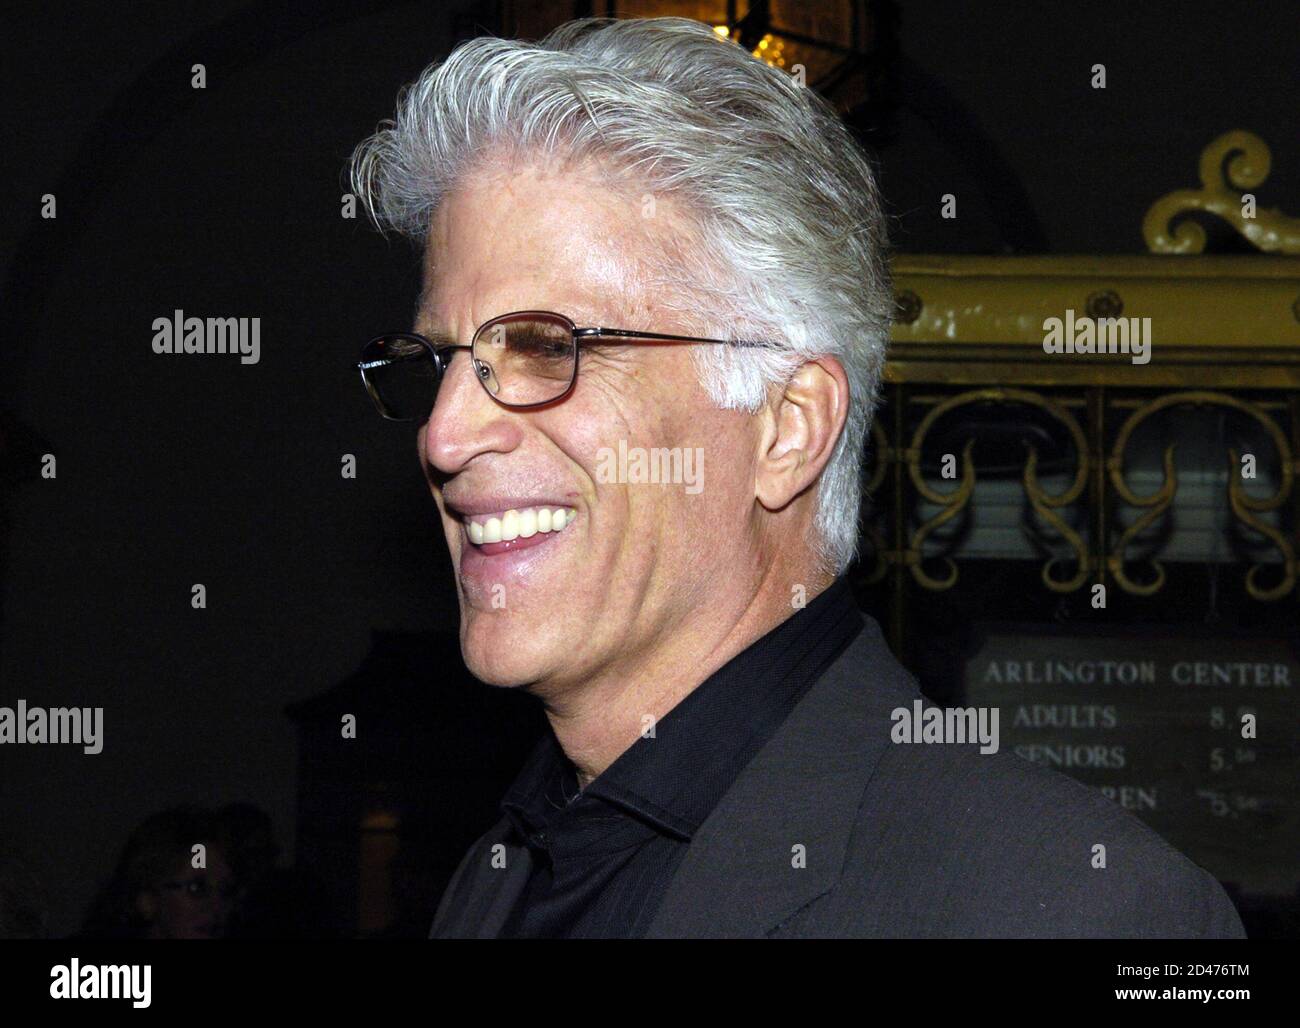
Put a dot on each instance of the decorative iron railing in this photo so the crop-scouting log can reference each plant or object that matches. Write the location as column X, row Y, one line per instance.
column 973, row 362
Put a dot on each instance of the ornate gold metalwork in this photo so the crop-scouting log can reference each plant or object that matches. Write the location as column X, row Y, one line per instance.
column 1246, row 159
column 1104, row 304
column 1221, row 321
column 975, row 325
column 909, row 306
column 952, row 503
column 1244, row 506
column 1045, row 504
column 884, row 454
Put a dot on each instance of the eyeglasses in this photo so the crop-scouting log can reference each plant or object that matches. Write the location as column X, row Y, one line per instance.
column 524, row 360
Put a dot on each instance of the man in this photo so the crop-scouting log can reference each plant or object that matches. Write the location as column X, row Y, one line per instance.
column 646, row 353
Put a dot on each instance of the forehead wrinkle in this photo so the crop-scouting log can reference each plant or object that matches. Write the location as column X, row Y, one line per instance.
column 598, row 299
column 594, row 269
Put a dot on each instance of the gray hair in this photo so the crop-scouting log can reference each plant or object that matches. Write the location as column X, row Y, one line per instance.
column 791, row 238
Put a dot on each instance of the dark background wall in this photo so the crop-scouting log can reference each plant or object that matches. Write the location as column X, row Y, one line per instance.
column 226, row 202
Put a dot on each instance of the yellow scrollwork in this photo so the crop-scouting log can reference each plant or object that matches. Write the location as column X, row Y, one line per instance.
column 883, row 456
column 1246, row 160
column 880, row 444
column 1244, row 506
column 954, row 502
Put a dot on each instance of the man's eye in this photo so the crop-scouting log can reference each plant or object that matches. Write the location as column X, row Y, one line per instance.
column 538, row 345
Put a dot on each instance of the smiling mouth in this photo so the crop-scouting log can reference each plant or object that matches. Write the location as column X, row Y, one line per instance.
column 492, row 531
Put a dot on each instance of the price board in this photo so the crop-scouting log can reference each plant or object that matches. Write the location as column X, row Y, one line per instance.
column 1195, row 734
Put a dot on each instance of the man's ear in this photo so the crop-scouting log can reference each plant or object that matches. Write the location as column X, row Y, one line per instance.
column 802, row 423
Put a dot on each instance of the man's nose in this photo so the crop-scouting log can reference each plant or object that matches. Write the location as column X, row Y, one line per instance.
column 465, row 420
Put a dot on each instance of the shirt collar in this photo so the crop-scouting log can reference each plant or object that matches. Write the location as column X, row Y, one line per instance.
column 672, row 779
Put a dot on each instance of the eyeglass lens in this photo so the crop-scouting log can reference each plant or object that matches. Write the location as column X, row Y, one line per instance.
column 400, row 376
column 521, row 360
column 525, row 360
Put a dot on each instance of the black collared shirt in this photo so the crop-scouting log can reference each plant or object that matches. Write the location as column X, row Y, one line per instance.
column 603, row 856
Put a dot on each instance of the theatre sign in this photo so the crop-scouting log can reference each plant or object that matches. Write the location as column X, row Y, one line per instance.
column 1194, row 734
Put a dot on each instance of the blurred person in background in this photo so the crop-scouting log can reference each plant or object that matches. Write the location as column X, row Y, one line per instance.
column 156, row 892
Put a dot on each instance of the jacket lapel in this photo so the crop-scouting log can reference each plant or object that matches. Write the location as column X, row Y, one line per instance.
column 480, row 897
column 796, row 802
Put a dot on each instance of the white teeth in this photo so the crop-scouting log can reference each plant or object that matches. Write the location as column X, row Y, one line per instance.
column 518, row 524
column 510, row 526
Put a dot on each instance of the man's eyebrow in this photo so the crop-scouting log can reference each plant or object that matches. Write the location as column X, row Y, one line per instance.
column 438, row 338
column 417, row 313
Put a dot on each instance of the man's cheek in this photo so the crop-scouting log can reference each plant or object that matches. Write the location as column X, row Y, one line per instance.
column 451, row 529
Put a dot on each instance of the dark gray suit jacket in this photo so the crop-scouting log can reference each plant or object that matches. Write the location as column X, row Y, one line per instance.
column 898, row 840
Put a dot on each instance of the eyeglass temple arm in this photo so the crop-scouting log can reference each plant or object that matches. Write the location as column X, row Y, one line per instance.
column 622, row 333
column 384, row 362
column 580, row 334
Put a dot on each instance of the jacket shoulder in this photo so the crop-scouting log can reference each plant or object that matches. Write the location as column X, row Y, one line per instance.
column 953, row 841
column 465, row 881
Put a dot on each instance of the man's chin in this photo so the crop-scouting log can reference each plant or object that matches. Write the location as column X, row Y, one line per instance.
column 500, row 651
